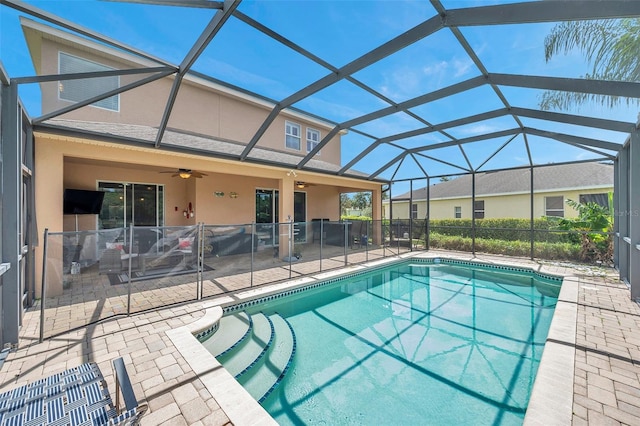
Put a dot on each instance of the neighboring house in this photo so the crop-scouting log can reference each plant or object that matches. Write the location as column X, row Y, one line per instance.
column 506, row 194
column 110, row 146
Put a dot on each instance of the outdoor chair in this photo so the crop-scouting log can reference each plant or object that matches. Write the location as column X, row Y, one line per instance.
column 78, row 396
column 357, row 233
column 115, row 259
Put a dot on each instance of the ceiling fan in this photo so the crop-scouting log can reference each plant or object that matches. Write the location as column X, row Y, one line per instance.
column 185, row 173
column 302, row 185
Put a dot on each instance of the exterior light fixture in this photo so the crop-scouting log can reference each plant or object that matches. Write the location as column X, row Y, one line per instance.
column 188, row 212
column 184, row 174
column 233, row 194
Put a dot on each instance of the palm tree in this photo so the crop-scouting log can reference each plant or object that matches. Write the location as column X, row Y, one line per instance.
column 612, row 49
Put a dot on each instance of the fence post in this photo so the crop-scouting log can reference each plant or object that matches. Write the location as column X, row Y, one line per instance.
column 200, row 261
column 368, row 241
column 346, row 237
column 290, row 220
column 44, row 279
column 253, row 234
column 321, row 240
column 384, row 238
column 129, row 274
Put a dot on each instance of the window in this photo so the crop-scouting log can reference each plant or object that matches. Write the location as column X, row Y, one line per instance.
column 554, row 206
column 600, row 199
column 81, row 89
column 457, row 212
column 313, row 139
column 292, row 135
column 478, row 209
column 126, row 203
column 414, row 211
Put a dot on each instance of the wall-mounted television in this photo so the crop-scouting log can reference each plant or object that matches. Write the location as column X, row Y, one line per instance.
column 82, row 201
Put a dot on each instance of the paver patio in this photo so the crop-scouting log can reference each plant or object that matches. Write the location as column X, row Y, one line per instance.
column 606, row 388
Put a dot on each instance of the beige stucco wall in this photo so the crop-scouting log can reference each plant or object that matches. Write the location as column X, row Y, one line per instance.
column 198, row 108
column 501, row 206
column 66, row 162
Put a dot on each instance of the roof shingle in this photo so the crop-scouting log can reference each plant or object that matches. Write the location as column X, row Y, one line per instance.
column 548, row 178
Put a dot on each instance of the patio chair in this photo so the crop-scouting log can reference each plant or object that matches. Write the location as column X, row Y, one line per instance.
column 116, row 260
column 78, row 396
column 356, row 234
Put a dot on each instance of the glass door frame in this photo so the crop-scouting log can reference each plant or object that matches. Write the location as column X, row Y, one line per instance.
column 275, row 214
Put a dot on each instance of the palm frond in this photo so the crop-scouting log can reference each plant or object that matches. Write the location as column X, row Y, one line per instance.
column 612, row 49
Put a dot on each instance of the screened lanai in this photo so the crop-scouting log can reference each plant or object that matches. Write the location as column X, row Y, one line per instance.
column 417, row 91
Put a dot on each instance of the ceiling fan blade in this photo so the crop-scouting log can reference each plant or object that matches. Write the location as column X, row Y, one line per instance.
column 197, row 174
column 175, row 174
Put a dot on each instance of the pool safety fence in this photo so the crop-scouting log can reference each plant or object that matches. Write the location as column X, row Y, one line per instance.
column 89, row 276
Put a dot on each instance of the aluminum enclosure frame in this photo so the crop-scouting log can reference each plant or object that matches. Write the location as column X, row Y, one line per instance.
column 625, row 154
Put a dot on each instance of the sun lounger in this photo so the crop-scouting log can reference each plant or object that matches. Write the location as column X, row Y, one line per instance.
column 78, row 396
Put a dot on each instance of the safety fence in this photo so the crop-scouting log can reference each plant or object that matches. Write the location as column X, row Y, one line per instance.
column 89, row 276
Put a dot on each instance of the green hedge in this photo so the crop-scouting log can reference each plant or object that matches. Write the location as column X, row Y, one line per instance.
column 346, row 217
column 504, row 229
column 544, row 250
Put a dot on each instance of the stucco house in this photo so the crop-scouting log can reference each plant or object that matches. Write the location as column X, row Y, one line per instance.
column 202, row 167
column 506, row 194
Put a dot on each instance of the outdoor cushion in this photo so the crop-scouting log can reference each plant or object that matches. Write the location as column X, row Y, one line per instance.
column 76, row 396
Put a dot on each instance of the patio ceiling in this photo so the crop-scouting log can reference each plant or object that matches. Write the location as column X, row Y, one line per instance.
column 439, row 90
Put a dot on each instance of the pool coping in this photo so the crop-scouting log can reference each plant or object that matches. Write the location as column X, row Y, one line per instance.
column 551, row 398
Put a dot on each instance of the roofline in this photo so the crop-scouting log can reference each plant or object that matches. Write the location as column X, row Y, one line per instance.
column 502, row 194
column 192, row 77
column 52, row 129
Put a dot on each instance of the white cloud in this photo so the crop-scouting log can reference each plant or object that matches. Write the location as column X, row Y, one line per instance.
column 461, row 67
column 436, row 69
column 477, row 129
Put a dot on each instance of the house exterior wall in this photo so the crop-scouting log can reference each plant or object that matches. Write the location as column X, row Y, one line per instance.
column 68, row 162
column 200, row 107
column 500, row 206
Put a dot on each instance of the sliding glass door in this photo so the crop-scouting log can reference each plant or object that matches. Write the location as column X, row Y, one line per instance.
column 133, row 203
column 267, row 214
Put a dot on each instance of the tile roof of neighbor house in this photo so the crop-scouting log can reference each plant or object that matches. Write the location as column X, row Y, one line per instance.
column 549, row 178
column 180, row 140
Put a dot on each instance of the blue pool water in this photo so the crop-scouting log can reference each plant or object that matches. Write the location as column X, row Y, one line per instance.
column 414, row 344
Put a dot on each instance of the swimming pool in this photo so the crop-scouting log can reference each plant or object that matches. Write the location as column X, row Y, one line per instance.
column 415, row 343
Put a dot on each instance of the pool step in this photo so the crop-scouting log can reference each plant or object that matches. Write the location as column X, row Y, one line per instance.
column 249, row 351
column 256, row 349
column 233, row 329
column 260, row 380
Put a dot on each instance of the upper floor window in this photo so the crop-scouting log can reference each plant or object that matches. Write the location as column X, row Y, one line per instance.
column 86, row 88
column 457, row 212
column 313, row 139
column 292, row 135
column 554, row 206
column 414, row 211
column 478, row 209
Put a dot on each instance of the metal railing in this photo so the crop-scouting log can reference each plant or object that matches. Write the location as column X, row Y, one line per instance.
column 89, row 276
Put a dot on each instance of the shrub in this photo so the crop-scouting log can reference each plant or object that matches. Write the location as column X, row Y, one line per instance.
column 545, row 250
column 504, row 229
column 345, row 217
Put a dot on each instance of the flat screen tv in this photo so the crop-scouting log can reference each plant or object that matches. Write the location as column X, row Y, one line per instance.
column 82, row 201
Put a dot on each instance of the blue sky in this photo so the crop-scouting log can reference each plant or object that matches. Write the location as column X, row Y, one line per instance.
column 339, row 32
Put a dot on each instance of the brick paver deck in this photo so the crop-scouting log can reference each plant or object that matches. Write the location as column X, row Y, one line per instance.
column 606, row 377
